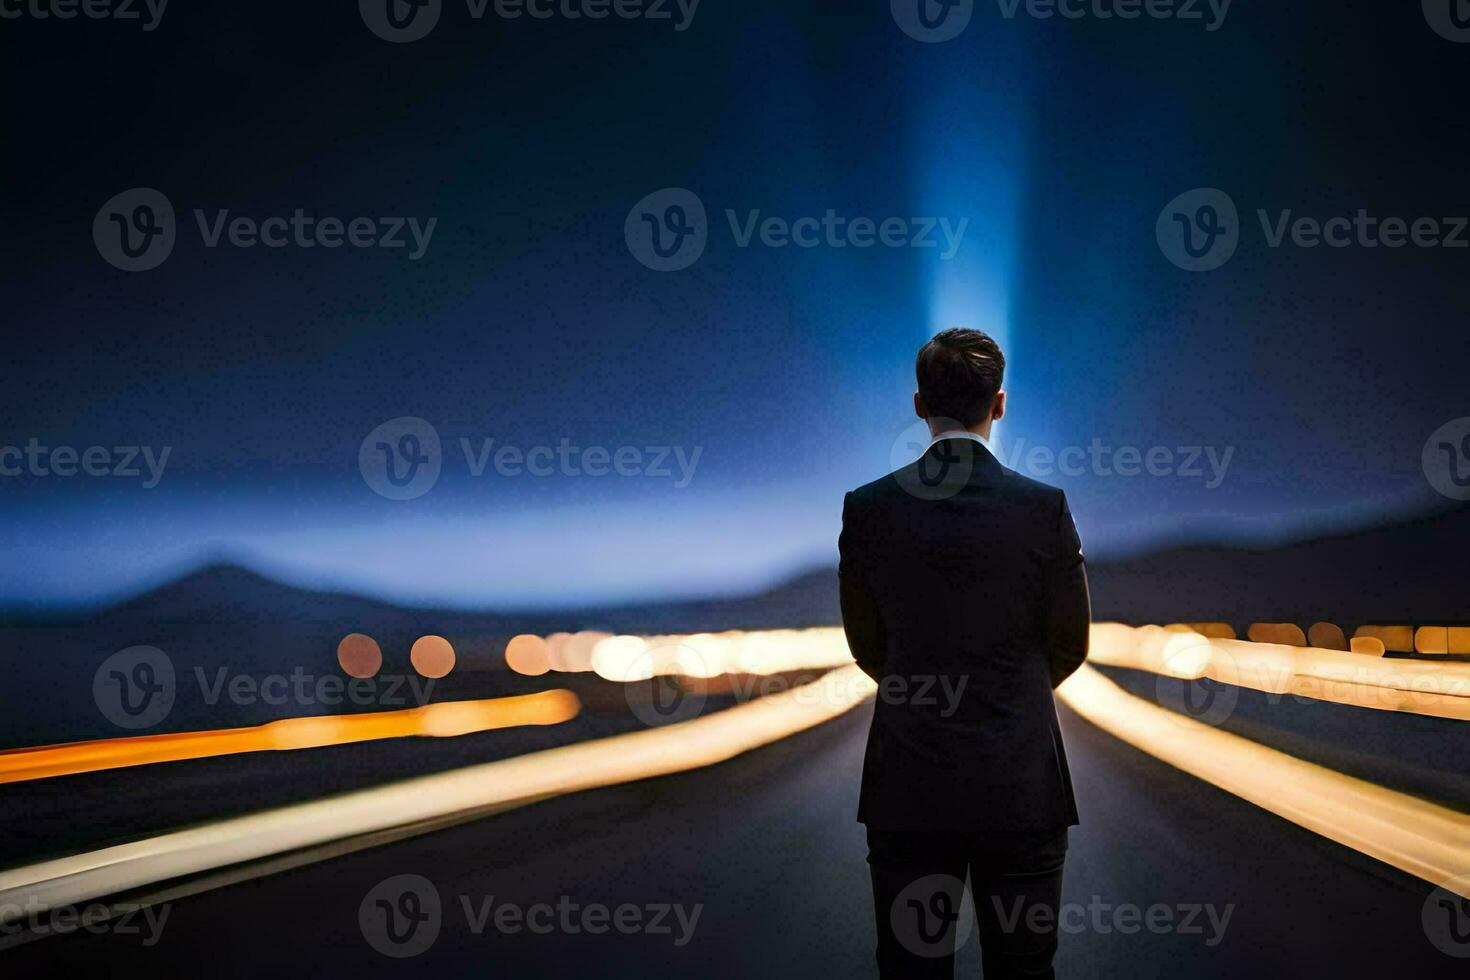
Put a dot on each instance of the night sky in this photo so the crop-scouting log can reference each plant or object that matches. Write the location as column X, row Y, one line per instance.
column 1320, row 372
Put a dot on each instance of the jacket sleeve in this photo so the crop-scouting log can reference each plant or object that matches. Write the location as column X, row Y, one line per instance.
column 860, row 619
column 1067, row 607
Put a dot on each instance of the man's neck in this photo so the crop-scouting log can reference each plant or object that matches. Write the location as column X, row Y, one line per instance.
column 980, row 432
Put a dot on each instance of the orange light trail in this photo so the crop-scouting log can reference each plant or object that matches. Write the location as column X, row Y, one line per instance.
column 1422, row 687
column 442, row 720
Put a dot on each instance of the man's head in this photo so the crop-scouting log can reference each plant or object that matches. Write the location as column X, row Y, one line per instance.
column 960, row 373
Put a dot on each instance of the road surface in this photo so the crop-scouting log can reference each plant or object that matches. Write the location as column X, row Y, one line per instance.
column 766, row 847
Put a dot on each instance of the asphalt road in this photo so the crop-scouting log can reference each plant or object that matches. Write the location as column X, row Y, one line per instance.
column 765, row 846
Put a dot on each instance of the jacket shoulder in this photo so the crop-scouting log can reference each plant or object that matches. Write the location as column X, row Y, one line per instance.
column 876, row 490
column 1022, row 488
column 1028, row 488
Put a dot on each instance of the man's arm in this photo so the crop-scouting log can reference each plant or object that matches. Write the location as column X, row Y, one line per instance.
column 1068, row 609
column 860, row 620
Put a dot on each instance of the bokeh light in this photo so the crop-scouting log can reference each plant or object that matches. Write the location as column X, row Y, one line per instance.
column 528, row 654
column 432, row 656
column 359, row 655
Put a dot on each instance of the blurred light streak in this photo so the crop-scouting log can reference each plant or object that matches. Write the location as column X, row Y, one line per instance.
column 1368, row 646
column 1284, row 634
column 1397, row 639
column 504, row 783
column 1442, row 640
column 1422, row 838
column 1426, row 840
column 445, row 719
column 639, row 658
column 1441, row 690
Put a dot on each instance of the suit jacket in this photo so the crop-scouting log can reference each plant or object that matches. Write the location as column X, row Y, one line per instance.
column 964, row 596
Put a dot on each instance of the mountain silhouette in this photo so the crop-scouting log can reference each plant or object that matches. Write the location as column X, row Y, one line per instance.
column 1412, row 571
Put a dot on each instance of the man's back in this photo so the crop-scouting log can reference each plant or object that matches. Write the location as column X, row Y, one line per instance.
column 964, row 596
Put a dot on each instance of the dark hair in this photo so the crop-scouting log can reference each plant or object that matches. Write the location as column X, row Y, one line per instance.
column 960, row 371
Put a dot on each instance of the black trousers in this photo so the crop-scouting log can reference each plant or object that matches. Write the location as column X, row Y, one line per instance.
column 918, row 895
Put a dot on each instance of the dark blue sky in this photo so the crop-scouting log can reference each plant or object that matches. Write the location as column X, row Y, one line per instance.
column 1320, row 372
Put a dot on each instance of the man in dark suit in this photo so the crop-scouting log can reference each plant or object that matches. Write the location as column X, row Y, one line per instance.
column 965, row 598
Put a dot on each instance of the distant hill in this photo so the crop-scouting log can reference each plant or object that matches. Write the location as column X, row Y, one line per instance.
column 222, row 594
column 1416, row 571
column 1413, row 571
column 224, row 617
